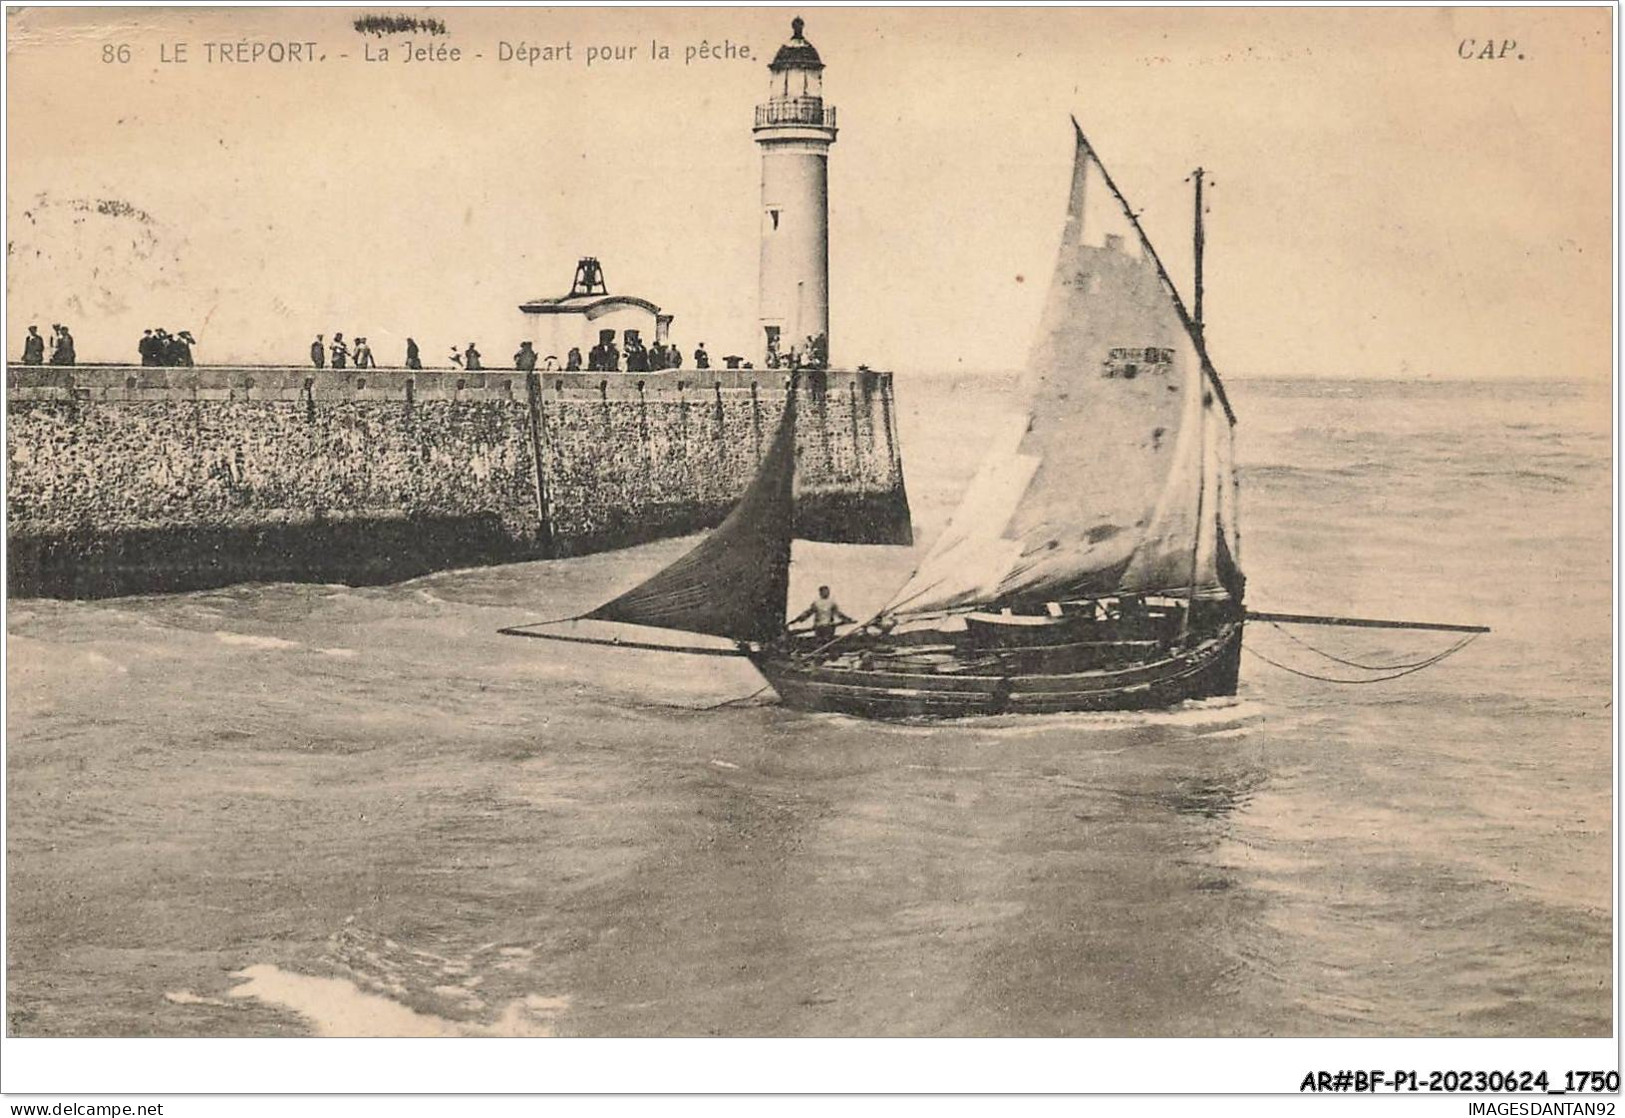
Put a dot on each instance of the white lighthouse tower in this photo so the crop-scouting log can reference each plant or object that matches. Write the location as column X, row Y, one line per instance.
column 795, row 129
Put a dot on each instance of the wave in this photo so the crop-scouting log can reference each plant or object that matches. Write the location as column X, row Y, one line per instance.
column 264, row 644
column 1193, row 713
column 337, row 1007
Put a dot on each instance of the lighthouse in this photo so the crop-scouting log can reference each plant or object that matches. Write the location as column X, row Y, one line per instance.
column 795, row 129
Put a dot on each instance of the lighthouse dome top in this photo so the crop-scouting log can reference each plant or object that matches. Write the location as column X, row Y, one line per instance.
column 798, row 53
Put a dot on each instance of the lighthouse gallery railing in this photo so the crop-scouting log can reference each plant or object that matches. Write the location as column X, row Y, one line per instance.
column 795, row 110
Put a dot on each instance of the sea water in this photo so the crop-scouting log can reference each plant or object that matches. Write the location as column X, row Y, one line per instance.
column 294, row 809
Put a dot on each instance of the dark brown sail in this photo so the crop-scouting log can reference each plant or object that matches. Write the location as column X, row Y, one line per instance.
column 737, row 581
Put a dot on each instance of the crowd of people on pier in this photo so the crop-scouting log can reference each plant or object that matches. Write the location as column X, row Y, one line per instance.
column 159, row 347
column 605, row 357
column 156, row 347
column 62, row 351
column 811, row 354
column 344, row 356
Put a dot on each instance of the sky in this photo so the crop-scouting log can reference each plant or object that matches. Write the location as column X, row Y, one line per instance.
column 1380, row 205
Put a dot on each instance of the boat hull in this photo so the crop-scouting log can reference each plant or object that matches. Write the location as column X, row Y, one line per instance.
column 1207, row 669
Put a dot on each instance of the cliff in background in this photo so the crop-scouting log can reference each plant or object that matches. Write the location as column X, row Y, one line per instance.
column 135, row 480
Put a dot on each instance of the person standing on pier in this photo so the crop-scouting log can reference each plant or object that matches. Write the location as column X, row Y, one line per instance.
column 62, row 347
column 363, row 355
column 637, row 358
column 318, row 353
column 525, row 359
column 604, row 357
column 572, row 360
column 702, row 359
column 413, row 361
column 180, row 349
column 144, row 347
column 341, row 352
column 471, row 359
column 33, row 347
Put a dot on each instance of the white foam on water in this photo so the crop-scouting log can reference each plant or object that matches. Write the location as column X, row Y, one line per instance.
column 245, row 640
column 186, row 997
column 529, row 1016
column 1193, row 713
column 346, row 653
column 100, row 661
column 337, row 1007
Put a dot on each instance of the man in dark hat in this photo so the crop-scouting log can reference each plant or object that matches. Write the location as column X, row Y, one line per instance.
column 62, row 348
column 605, row 358
column 637, row 358
column 525, row 359
column 471, row 359
column 572, row 361
column 702, row 359
column 33, row 347
column 144, row 347
column 181, row 349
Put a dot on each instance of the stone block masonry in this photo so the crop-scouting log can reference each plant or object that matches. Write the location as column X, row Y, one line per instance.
column 138, row 480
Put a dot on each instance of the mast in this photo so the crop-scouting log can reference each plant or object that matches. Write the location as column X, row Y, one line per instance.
column 1201, row 411
column 1196, row 313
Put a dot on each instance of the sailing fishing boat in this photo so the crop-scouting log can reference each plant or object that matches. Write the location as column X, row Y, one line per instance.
column 1094, row 562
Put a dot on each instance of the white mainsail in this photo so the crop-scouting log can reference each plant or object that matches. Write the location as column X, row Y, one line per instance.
column 1117, row 476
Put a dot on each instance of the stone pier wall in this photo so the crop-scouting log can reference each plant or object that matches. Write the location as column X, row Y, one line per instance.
column 134, row 480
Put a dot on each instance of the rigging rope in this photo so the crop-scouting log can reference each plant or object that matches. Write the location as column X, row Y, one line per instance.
column 1428, row 663
column 545, row 624
column 1349, row 663
column 731, row 702
column 610, row 642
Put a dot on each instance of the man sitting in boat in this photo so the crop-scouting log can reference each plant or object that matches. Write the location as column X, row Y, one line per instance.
column 825, row 614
